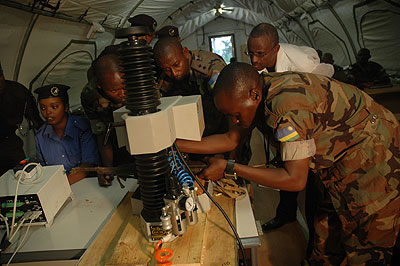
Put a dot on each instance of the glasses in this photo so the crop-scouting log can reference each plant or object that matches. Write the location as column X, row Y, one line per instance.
column 258, row 54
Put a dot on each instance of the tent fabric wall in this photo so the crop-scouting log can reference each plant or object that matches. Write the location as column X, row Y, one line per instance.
column 295, row 19
column 377, row 35
column 13, row 24
column 326, row 25
column 48, row 37
column 218, row 27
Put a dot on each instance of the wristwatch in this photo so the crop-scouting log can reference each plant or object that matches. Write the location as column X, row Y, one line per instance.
column 229, row 173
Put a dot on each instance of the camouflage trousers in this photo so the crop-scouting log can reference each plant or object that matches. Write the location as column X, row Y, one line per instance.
column 340, row 239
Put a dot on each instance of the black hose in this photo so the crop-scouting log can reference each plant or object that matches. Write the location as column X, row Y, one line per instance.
column 216, row 204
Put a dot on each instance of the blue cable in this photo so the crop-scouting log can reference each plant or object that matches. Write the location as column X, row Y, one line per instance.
column 179, row 170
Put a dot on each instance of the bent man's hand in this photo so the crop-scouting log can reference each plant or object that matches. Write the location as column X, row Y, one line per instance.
column 104, row 180
column 215, row 170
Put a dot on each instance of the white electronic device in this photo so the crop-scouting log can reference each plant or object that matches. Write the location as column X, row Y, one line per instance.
column 46, row 192
column 179, row 118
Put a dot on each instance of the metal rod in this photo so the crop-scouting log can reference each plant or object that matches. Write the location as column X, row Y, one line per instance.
column 335, row 14
column 34, row 10
column 334, row 34
column 121, row 24
column 24, row 43
column 131, row 12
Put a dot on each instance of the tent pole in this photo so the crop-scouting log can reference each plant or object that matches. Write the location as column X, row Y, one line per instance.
column 335, row 14
column 46, row 13
column 127, row 17
column 23, row 45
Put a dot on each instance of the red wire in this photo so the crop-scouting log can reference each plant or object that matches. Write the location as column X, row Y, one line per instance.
column 163, row 258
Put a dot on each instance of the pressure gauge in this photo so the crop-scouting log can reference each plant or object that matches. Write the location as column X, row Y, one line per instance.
column 190, row 204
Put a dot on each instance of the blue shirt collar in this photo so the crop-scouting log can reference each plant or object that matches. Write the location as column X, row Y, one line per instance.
column 68, row 129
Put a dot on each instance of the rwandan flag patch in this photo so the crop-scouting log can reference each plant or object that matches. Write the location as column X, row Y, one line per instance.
column 287, row 134
column 212, row 81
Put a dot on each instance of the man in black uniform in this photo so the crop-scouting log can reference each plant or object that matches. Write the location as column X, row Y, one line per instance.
column 147, row 21
column 168, row 31
column 16, row 102
column 139, row 20
column 367, row 74
column 339, row 72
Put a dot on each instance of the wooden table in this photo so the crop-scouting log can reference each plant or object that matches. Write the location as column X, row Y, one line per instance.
column 388, row 97
column 121, row 241
column 394, row 89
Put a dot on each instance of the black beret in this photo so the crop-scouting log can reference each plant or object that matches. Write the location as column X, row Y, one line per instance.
column 144, row 20
column 364, row 52
column 168, row 31
column 52, row 90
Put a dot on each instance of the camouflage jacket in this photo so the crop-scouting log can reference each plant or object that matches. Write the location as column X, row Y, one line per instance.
column 98, row 109
column 353, row 142
column 204, row 70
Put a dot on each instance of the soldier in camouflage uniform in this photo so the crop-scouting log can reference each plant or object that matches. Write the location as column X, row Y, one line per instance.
column 188, row 72
column 338, row 132
column 101, row 96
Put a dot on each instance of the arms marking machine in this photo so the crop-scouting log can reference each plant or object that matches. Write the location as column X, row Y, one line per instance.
column 151, row 127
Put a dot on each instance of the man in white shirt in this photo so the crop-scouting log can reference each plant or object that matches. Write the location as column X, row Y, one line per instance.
column 268, row 55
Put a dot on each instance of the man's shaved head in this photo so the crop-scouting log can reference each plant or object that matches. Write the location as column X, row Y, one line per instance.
column 263, row 46
column 166, row 45
column 265, row 29
column 106, row 64
column 172, row 58
column 234, row 79
column 108, row 74
column 238, row 91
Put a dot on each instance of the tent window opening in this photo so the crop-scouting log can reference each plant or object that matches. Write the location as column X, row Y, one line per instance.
column 223, row 45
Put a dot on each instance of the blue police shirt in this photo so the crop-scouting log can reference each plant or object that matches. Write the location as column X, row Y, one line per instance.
column 75, row 147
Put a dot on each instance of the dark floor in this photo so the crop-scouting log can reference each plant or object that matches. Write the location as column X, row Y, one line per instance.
column 285, row 246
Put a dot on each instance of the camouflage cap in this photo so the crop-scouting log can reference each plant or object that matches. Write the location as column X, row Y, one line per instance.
column 144, row 20
column 168, row 31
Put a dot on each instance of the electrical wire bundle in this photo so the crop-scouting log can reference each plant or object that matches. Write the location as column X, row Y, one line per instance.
column 179, row 169
column 12, row 229
column 216, row 204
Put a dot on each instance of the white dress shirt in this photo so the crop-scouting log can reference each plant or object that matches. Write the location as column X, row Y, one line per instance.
column 300, row 59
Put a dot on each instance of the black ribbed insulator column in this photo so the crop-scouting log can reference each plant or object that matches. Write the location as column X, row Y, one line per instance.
column 138, row 63
column 143, row 98
column 152, row 170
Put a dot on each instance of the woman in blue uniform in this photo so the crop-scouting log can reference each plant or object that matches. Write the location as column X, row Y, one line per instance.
column 64, row 139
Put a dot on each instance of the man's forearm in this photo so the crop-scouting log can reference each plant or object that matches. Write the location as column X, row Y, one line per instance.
column 77, row 176
column 281, row 178
column 219, row 143
column 291, row 177
column 106, row 152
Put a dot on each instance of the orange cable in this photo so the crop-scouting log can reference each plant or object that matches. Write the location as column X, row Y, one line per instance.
column 163, row 258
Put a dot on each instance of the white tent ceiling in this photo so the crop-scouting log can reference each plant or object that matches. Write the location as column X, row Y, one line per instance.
column 43, row 43
column 187, row 15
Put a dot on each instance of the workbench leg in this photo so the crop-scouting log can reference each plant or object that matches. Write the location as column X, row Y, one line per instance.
column 254, row 257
